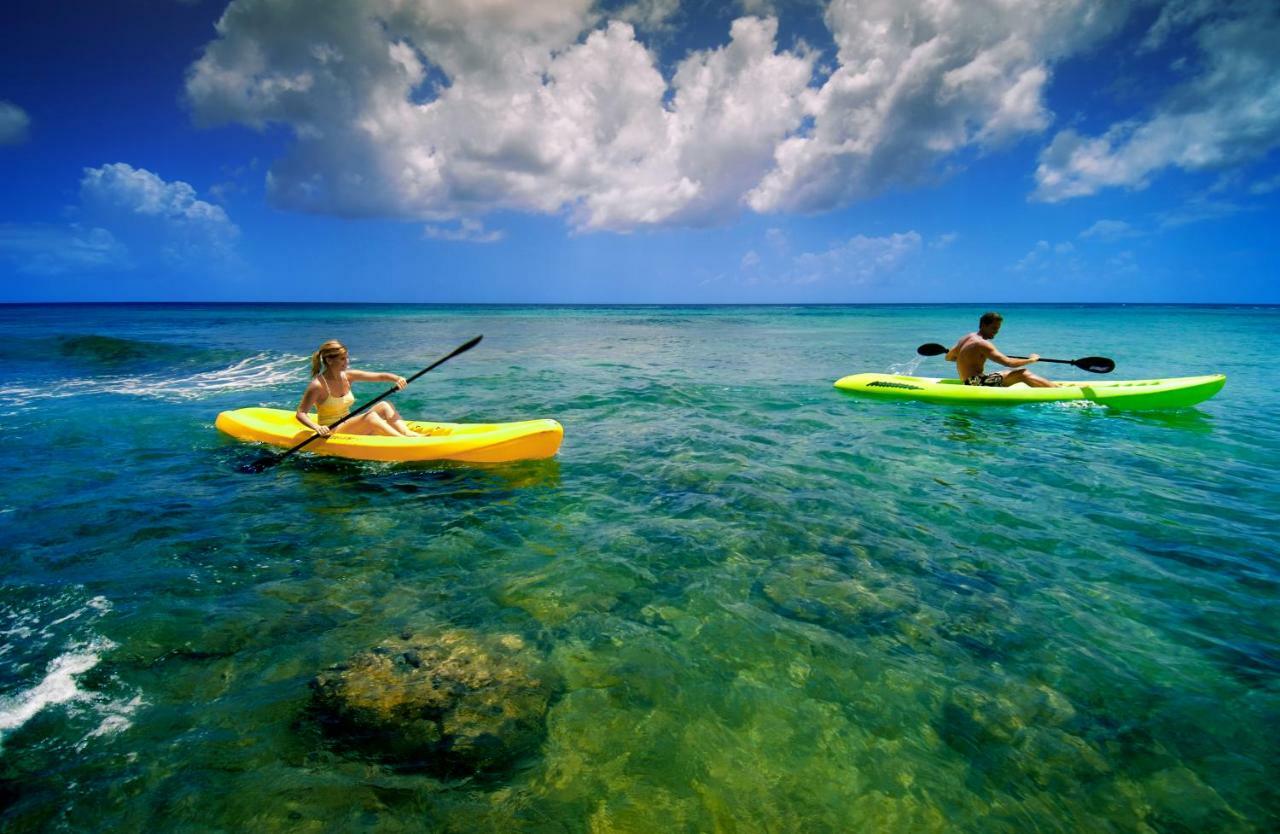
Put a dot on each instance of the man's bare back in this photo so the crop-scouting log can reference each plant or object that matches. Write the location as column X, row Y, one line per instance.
column 974, row 349
column 970, row 354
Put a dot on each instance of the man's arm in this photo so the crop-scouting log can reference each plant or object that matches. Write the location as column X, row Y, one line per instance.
column 954, row 353
column 993, row 353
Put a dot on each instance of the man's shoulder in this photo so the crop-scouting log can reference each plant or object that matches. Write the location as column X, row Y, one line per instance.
column 976, row 342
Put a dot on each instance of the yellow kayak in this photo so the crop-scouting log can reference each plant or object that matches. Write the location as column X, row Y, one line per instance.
column 471, row 442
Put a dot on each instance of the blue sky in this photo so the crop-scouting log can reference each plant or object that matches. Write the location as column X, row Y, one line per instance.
column 648, row 151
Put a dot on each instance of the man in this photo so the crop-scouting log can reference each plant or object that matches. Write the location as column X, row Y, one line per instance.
column 974, row 349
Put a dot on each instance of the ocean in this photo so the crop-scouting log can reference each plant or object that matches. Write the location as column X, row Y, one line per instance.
column 768, row 605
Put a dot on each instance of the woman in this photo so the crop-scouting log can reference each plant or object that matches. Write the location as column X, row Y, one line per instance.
column 330, row 395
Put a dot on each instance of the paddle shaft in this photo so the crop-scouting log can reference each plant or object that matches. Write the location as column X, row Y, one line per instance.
column 1092, row 364
column 461, row 349
column 1042, row 359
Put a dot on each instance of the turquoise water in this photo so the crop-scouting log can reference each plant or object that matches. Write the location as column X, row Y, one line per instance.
column 773, row 606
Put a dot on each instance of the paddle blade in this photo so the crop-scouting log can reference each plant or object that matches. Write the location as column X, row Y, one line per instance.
column 464, row 348
column 931, row 349
column 1095, row 364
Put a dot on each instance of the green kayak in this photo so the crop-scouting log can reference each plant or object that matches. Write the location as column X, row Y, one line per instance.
column 1123, row 394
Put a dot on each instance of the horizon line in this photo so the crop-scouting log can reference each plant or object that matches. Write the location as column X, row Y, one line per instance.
column 988, row 304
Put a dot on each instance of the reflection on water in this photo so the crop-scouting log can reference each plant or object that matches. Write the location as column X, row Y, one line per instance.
column 997, row 427
column 1193, row 420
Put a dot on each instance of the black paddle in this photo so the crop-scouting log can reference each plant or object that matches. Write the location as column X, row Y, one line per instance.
column 1092, row 364
column 267, row 461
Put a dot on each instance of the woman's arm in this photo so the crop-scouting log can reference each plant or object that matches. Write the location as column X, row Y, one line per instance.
column 371, row 376
column 309, row 399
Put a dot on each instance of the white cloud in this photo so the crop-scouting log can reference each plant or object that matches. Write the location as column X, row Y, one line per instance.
column 918, row 82
column 944, row 240
column 48, row 250
column 1265, row 186
column 732, row 106
column 1037, row 258
column 467, row 231
column 127, row 217
column 441, row 110
column 14, row 124
column 1226, row 114
column 750, row 260
column 648, row 14
column 1176, row 15
column 1198, row 209
column 163, row 217
column 120, row 186
column 858, row 260
column 1108, row 230
column 1123, row 263
column 438, row 110
column 1046, row 261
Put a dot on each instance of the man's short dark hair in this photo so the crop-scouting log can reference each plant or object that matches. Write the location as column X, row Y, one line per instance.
column 989, row 318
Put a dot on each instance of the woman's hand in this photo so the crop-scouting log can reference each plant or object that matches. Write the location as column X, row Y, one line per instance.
column 324, row 431
column 400, row 382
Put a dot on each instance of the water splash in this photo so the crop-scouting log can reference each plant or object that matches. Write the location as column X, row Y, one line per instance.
column 260, row 371
column 906, row 368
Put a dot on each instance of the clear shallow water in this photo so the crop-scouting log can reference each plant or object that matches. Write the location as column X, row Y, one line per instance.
column 774, row 606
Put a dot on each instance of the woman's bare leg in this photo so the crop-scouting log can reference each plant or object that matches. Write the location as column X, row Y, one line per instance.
column 369, row 423
column 388, row 412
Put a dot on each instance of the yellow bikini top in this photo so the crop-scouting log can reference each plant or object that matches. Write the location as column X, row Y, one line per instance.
column 332, row 409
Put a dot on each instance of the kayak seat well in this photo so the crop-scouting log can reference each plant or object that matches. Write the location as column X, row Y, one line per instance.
column 429, row 429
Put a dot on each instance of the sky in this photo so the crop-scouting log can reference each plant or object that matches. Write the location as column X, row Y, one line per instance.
column 640, row 151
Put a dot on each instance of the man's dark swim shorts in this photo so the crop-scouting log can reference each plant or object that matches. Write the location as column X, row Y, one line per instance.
column 987, row 380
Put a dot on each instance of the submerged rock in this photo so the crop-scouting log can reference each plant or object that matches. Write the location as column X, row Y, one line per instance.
column 998, row 714
column 820, row 593
column 455, row 702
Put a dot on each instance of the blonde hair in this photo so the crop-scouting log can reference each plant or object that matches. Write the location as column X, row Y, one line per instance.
column 323, row 353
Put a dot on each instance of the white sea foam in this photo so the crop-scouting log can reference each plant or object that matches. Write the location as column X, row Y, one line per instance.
column 116, row 717
column 59, row 685
column 260, row 371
